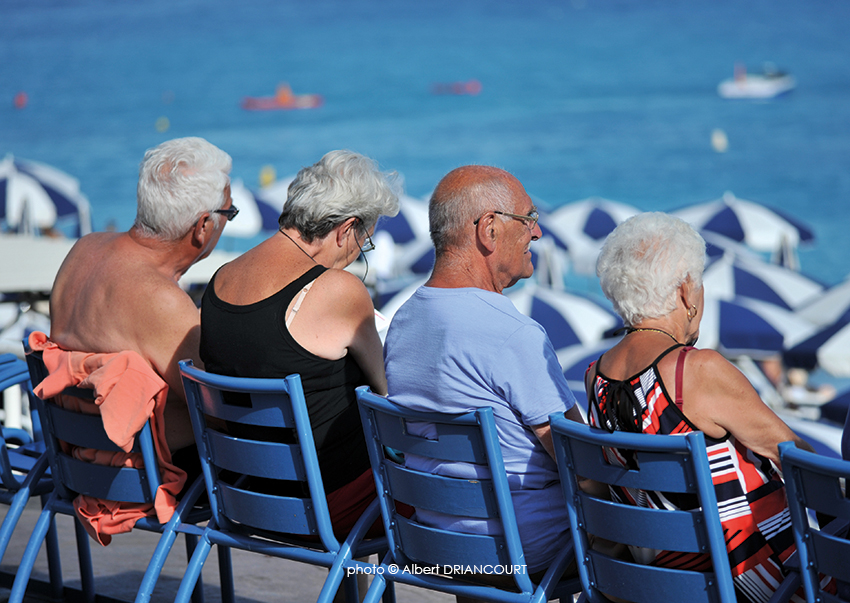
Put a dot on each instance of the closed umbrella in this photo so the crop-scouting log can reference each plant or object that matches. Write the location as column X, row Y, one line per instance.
column 35, row 197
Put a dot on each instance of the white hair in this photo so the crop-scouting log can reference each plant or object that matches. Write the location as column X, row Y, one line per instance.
column 341, row 185
column 179, row 180
column 645, row 260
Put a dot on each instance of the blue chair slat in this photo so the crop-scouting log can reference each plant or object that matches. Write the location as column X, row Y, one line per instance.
column 249, row 513
column 457, row 443
column 814, row 485
column 649, row 528
column 441, row 547
column 72, row 476
column 469, row 438
column 445, row 494
column 281, row 514
column 260, row 459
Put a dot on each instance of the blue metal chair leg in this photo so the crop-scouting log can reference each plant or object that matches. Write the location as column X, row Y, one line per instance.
column 225, row 570
column 54, row 562
column 86, row 567
column 11, row 519
column 198, row 591
column 42, row 525
column 193, row 571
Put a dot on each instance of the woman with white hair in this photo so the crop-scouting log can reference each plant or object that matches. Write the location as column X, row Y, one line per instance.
column 288, row 306
column 653, row 381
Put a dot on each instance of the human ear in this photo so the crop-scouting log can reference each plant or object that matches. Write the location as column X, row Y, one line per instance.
column 486, row 232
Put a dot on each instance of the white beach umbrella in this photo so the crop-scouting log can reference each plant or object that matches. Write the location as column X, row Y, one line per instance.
column 757, row 226
column 582, row 227
column 35, row 196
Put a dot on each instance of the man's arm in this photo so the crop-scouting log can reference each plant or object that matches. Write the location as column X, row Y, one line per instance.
column 170, row 331
column 544, row 432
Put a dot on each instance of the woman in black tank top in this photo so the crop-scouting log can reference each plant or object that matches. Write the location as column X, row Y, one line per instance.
column 288, row 306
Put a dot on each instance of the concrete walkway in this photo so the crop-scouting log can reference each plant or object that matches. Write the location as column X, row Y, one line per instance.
column 120, row 566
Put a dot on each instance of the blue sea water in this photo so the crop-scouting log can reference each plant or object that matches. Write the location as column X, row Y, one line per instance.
column 615, row 98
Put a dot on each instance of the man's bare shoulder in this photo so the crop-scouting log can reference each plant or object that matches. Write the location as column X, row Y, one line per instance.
column 108, row 296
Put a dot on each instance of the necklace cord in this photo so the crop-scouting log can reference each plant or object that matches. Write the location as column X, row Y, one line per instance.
column 296, row 244
column 633, row 330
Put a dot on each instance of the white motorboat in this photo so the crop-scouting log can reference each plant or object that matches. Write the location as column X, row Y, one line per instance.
column 769, row 84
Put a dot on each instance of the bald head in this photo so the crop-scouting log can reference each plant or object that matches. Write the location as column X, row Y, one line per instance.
column 461, row 197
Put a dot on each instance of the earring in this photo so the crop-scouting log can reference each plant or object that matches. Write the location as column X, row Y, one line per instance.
column 694, row 310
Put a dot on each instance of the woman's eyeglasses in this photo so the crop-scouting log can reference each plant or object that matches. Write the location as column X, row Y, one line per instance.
column 367, row 245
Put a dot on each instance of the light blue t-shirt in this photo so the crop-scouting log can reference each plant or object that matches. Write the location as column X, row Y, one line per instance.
column 455, row 350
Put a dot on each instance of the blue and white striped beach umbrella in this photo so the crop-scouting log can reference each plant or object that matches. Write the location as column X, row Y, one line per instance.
column 830, row 307
column 35, row 197
column 728, row 278
column 758, row 226
column 569, row 319
column 582, row 227
column 827, row 348
column 749, row 327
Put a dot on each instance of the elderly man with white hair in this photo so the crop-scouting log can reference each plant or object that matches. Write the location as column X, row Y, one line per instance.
column 119, row 291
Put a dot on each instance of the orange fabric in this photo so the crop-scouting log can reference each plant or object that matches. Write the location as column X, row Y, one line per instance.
column 128, row 393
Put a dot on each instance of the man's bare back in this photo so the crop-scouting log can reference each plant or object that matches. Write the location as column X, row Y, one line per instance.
column 114, row 293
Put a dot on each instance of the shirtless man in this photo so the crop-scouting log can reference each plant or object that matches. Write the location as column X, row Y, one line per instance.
column 119, row 291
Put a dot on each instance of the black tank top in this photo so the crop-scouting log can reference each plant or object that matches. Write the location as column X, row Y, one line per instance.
column 253, row 341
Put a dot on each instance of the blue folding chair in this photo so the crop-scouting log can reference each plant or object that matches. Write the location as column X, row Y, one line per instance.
column 23, row 469
column 124, row 484
column 816, row 485
column 666, row 463
column 417, row 550
column 263, row 480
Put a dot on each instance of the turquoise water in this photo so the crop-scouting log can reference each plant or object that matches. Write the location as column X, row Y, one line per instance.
column 611, row 98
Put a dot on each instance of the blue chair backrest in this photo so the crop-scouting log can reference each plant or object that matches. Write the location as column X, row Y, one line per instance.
column 817, row 484
column 253, row 435
column 73, row 476
column 672, row 464
column 468, row 438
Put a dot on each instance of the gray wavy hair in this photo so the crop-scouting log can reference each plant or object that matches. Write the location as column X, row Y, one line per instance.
column 179, row 180
column 341, row 185
column 645, row 260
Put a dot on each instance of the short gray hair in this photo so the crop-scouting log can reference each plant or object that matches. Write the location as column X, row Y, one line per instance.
column 645, row 260
column 180, row 180
column 341, row 185
column 454, row 206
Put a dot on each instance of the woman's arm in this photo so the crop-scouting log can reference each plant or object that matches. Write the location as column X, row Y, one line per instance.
column 718, row 398
column 338, row 318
